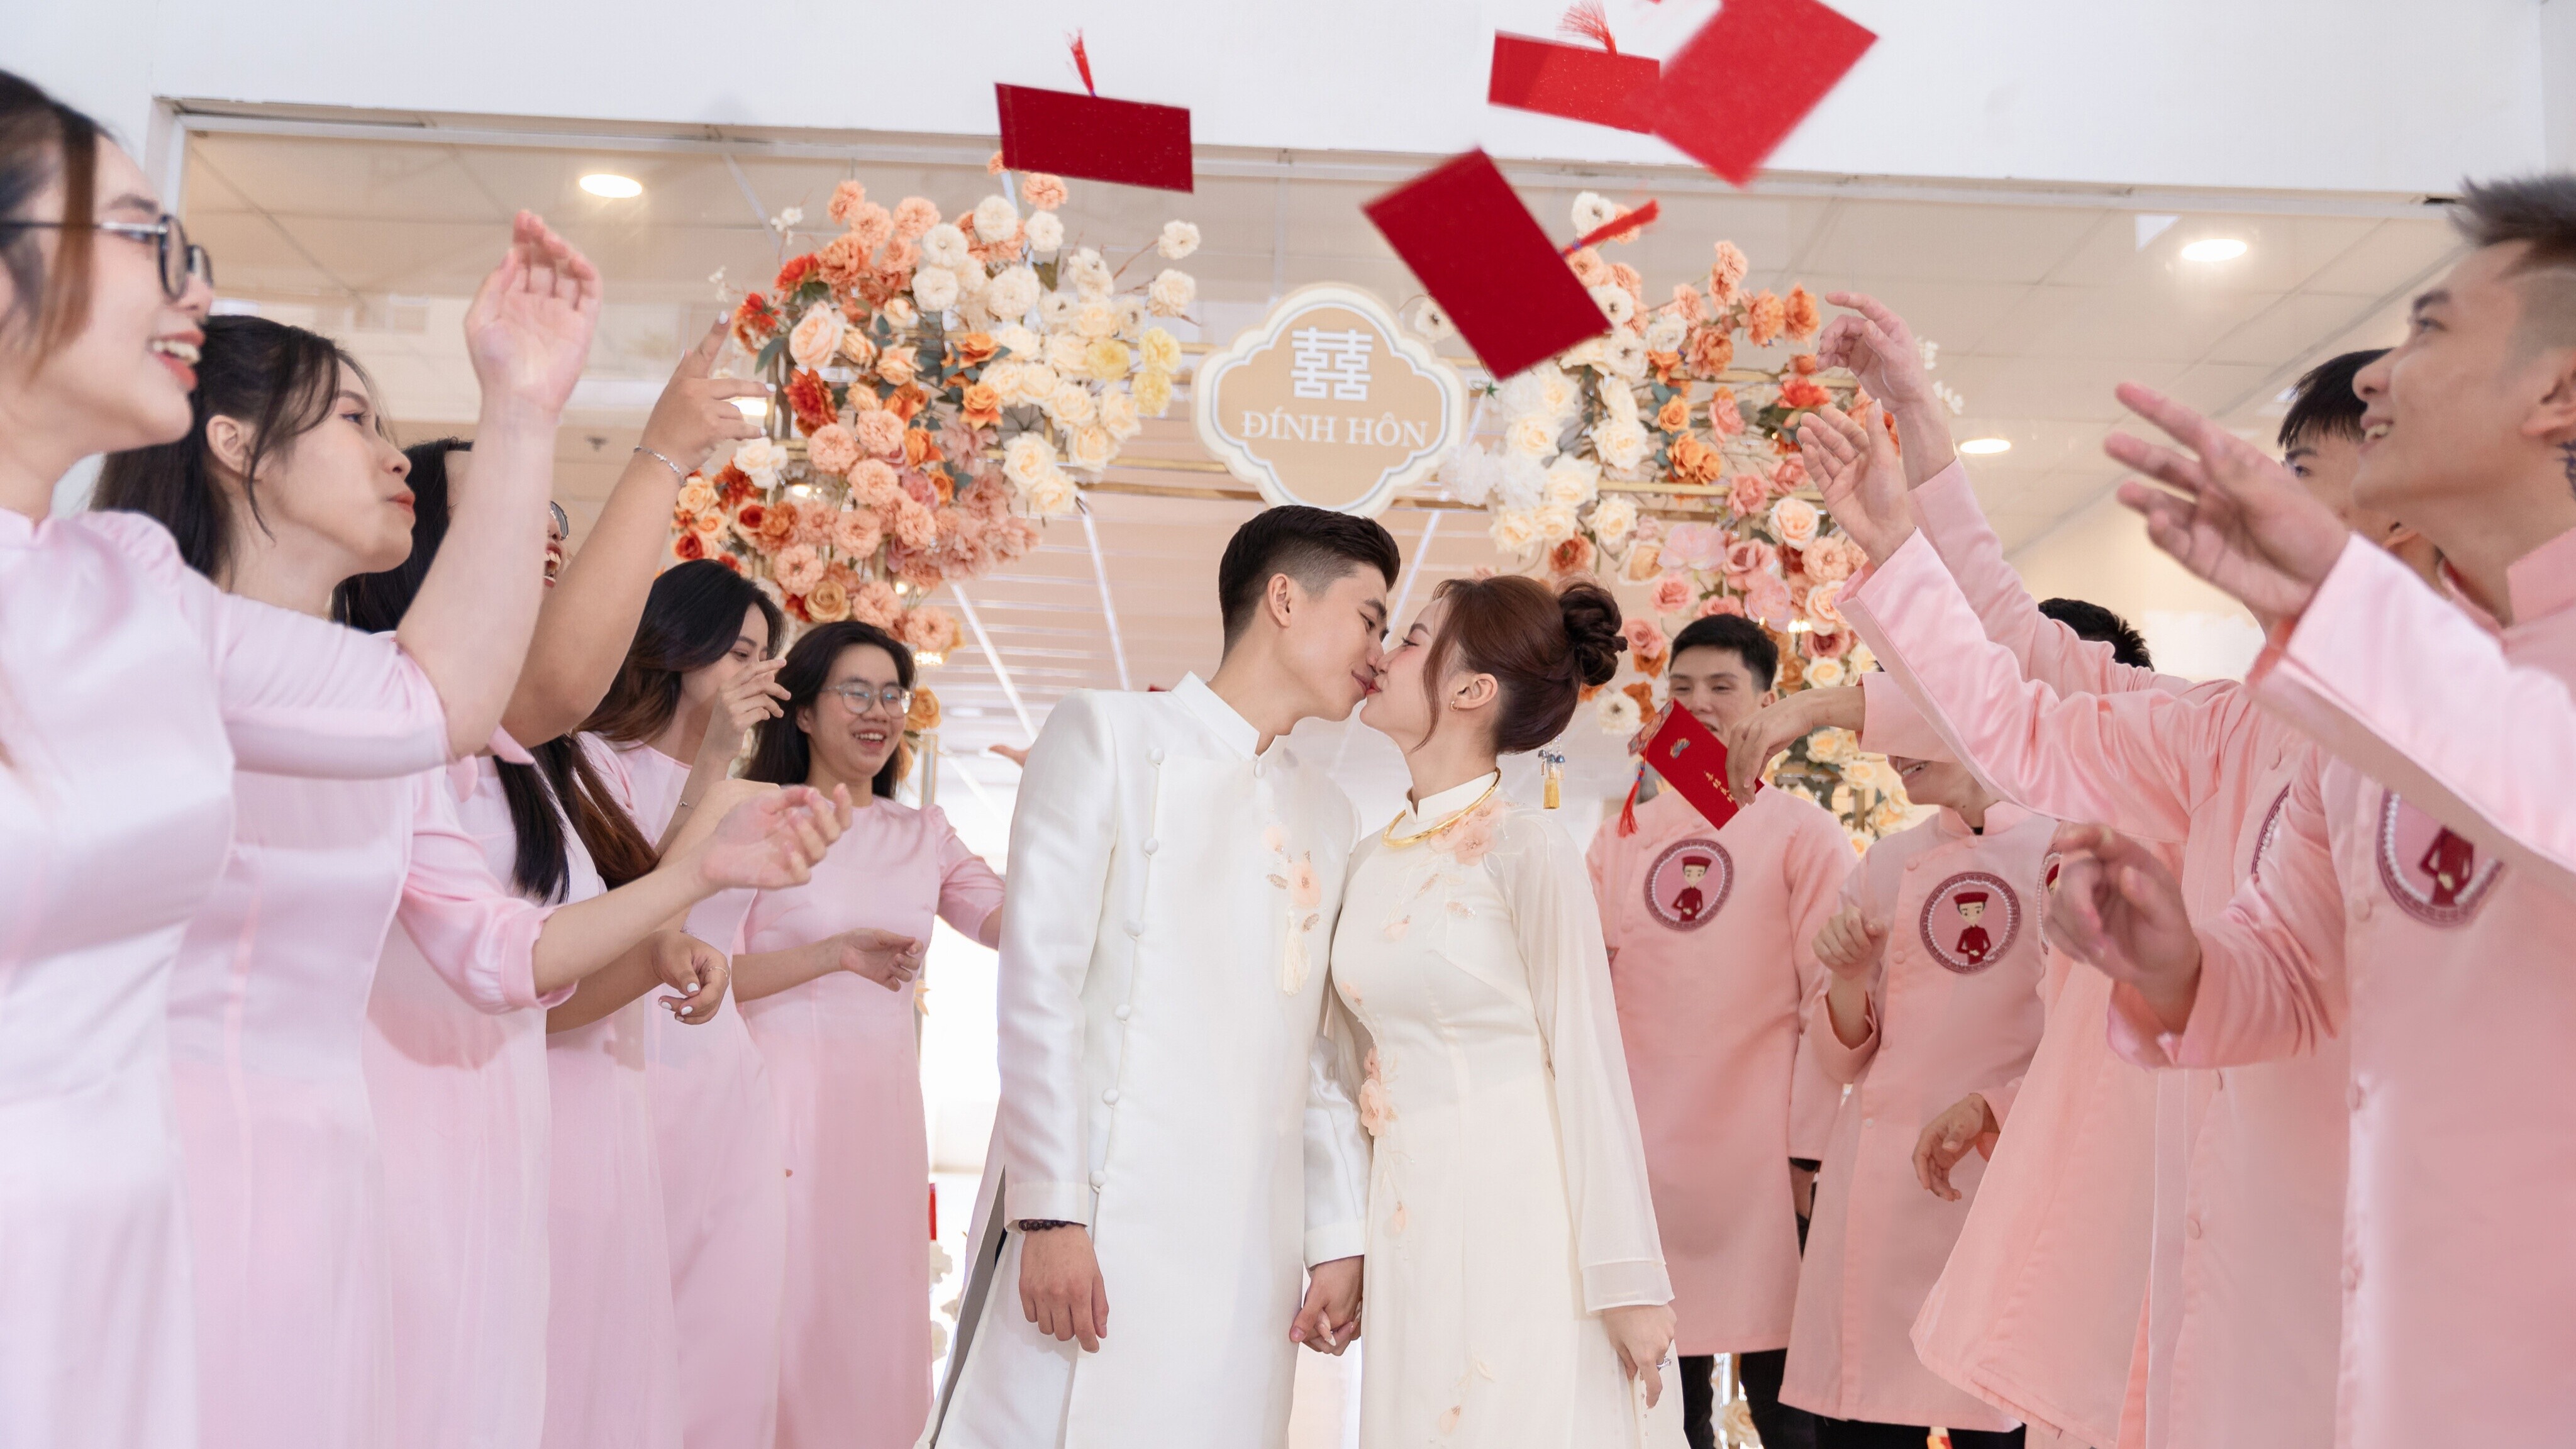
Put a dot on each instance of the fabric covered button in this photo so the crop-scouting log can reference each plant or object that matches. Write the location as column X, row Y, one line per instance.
column 1125, row 1011
column 1110, row 1096
column 2191, row 1226
column 1155, row 754
column 1152, row 845
column 1099, row 1178
column 1135, row 927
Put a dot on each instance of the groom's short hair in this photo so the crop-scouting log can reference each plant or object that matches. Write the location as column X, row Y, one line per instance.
column 1314, row 546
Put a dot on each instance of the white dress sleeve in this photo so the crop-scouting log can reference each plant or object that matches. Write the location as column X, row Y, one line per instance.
column 1542, row 877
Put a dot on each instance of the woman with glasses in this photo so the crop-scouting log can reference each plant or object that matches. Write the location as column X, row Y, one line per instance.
column 130, row 689
column 839, row 1040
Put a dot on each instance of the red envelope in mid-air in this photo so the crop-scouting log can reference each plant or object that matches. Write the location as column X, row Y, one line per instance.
column 1071, row 134
column 1693, row 761
column 1578, row 82
column 1484, row 259
column 1737, row 89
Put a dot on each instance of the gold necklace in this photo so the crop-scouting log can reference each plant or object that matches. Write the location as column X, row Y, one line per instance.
column 1399, row 842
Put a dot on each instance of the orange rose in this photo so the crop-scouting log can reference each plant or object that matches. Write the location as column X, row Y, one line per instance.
column 1694, row 461
column 1674, row 415
column 924, row 714
column 1709, row 351
column 918, row 448
column 980, row 406
column 974, row 349
column 1644, row 694
column 906, row 403
column 1667, row 368
column 1802, row 319
column 688, row 547
column 1804, row 364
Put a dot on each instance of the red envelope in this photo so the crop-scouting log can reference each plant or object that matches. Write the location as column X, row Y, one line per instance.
column 1072, row 134
column 1739, row 87
column 1578, row 82
column 1692, row 760
column 1483, row 258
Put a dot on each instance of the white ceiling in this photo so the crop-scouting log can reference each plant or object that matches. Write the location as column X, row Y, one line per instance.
column 375, row 227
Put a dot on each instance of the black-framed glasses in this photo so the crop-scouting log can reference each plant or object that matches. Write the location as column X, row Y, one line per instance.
column 857, row 695
column 180, row 257
column 562, row 520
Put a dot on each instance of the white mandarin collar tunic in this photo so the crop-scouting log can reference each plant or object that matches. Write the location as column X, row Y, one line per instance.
column 1163, row 960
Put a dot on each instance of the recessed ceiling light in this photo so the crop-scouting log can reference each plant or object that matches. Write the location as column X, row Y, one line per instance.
column 2214, row 249
column 1981, row 446
column 612, row 185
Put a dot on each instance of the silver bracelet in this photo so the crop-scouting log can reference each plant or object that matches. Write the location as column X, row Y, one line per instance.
column 676, row 470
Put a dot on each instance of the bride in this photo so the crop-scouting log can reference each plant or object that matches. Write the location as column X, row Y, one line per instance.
column 1516, row 1292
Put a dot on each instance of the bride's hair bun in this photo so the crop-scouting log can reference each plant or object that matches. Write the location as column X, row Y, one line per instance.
column 1592, row 627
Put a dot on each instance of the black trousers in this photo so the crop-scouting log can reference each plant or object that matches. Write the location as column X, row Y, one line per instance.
column 1780, row 1425
column 1858, row 1434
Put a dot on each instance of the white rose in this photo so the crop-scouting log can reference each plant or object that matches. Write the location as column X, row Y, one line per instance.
column 1622, row 445
column 996, row 219
column 1665, row 333
column 1132, row 313
column 1003, row 377
column 1118, row 414
column 1593, row 211
column 1037, row 381
column 1526, row 391
column 1016, row 339
column 1615, row 303
column 1522, row 482
column 945, row 246
column 1087, row 273
column 935, row 288
column 971, row 281
column 1094, row 318
column 1071, row 405
column 817, row 336
column 761, row 458
column 1824, row 673
column 898, row 314
column 1556, row 522
column 1514, row 531
column 1624, row 355
column 1617, row 710
column 1613, row 519
column 1064, row 352
column 1051, row 496
column 1027, row 458
column 1046, row 232
column 1055, row 309
column 1172, row 293
column 1586, row 353
column 1794, row 522
column 1532, row 435
column 1470, row 472
column 1619, row 402
column 1573, row 482
column 1431, row 323
column 1179, row 239
column 1089, row 448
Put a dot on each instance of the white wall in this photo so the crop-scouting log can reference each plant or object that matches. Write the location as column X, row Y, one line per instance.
column 2101, row 554
column 2353, row 95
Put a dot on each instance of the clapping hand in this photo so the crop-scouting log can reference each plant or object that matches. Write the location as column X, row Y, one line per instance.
column 2236, row 517
column 695, row 412
column 530, row 324
column 2118, row 907
column 1753, row 741
column 774, row 840
column 1946, row 1139
column 1879, row 349
column 696, row 970
column 1855, row 466
column 888, row 958
column 1850, row 944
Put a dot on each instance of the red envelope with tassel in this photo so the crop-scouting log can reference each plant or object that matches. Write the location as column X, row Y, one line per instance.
column 1486, row 261
column 1691, row 761
column 1577, row 82
column 1091, row 136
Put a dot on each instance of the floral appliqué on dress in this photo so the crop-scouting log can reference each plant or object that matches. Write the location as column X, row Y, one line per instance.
column 1305, row 893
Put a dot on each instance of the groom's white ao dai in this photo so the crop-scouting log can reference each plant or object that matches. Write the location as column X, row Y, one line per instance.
column 1163, row 965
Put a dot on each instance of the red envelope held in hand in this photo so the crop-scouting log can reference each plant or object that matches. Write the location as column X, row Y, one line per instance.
column 1693, row 762
column 1732, row 94
column 1485, row 260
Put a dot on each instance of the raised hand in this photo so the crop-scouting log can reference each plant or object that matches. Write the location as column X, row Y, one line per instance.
column 888, row 958
column 696, row 970
column 1849, row 944
column 754, row 695
column 2237, row 518
column 2116, row 906
column 530, row 324
column 1946, row 1139
column 1643, row 1335
column 1879, row 349
column 774, row 840
column 695, row 412
column 1855, row 466
column 1329, row 1320
column 1753, row 741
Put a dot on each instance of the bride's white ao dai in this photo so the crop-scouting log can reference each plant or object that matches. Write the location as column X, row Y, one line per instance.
column 1507, row 1201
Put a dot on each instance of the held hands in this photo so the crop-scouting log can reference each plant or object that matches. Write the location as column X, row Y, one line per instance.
column 1855, row 466
column 1643, row 1334
column 695, row 412
column 1849, row 945
column 1060, row 1286
column 887, row 958
column 1753, row 741
column 774, row 840
column 529, row 326
column 696, row 970
column 2117, row 907
column 1946, row 1139
column 1329, row 1320
column 2236, row 518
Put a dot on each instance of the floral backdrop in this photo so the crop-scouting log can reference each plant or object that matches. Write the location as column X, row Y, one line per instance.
column 941, row 385
column 1649, row 455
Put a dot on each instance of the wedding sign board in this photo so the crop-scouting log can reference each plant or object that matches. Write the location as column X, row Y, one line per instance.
column 1327, row 402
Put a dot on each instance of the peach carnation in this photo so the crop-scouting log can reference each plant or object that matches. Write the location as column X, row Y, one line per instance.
column 832, row 448
column 1764, row 317
column 877, row 431
column 856, row 532
column 1802, row 319
column 798, row 568
column 1727, row 272
column 914, row 215
column 846, row 200
column 1042, row 192
column 874, row 601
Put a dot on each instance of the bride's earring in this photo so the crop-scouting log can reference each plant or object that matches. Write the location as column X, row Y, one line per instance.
column 1551, row 773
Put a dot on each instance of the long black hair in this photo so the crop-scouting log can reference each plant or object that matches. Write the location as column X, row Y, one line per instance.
column 562, row 782
column 782, row 755
column 43, row 141
column 278, row 380
column 692, row 618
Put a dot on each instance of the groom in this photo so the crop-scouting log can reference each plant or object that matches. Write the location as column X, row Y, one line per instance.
column 1171, row 1138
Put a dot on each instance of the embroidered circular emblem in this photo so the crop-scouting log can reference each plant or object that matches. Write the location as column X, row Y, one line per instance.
column 2433, row 874
column 1689, row 883
column 1970, row 921
column 2264, row 837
